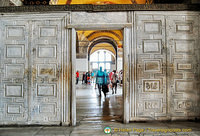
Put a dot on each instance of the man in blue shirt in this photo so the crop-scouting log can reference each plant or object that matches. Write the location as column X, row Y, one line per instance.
column 101, row 80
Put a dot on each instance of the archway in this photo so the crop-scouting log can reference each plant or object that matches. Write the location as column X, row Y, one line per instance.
column 102, row 50
column 102, row 40
column 104, row 43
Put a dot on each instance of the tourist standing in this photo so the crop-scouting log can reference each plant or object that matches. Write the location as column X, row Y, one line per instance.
column 110, row 77
column 114, row 82
column 92, row 77
column 77, row 76
column 83, row 78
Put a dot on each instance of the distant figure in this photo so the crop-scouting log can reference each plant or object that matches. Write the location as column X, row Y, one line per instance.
column 114, row 82
column 92, row 77
column 105, row 87
column 121, row 77
column 77, row 77
column 88, row 78
column 101, row 80
column 83, row 78
column 110, row 77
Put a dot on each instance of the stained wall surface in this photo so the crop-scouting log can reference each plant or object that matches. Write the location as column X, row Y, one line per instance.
column 162, row 75
column 167, row 66
column 32, row 69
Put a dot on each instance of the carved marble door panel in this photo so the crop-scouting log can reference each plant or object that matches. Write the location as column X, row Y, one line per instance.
column 183, row 65
column 150, row 95
column 46, row 76
column 14, row 71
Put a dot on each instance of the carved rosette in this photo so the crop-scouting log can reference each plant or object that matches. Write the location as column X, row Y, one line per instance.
column 36, row 2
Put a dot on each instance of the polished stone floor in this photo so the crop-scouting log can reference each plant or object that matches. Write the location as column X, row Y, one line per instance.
column 94, row 113
column 92, row 107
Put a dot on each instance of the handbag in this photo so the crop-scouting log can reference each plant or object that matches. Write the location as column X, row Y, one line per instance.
column 105, row 88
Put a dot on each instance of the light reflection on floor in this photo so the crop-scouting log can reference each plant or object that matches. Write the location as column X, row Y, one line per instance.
column 91, row 107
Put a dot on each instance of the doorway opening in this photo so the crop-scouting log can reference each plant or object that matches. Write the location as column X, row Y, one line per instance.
column 95, row 49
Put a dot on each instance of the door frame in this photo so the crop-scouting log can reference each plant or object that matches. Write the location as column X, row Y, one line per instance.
column 126, row 63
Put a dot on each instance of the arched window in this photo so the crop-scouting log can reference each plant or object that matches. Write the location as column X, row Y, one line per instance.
column 101, row 58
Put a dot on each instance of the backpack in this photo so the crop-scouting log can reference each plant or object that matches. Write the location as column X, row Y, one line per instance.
column 115, row 78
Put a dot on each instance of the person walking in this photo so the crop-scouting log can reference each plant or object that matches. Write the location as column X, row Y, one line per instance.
column 83, row 78
column 77, row 76
column 105, row 87
column 114, row 82
column 101, row 80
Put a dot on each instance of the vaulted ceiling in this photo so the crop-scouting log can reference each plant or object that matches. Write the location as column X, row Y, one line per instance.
column 92, row 35
column 100, row 39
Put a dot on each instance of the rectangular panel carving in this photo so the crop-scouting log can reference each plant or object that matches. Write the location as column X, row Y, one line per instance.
column 15, row 51
column 49, row 31
column 47, row 108
column 46, row 70
column 31, row 55
column 47, row 51
column 13, row 90
column 151, row 86
column 152, row 66
column 184, row 66
column 46, row 90
column 184, row 86
column 183, row 105
column 46, row 77
column 152, row 105
column 14, row 71
column 184, row 46
column 152, row 46
column 183, row 59
column 152, row 27
column 14, row 39
column 184, row 27
column 150, row 94
column 15, row 32
column 13, row 109
column 189, row 75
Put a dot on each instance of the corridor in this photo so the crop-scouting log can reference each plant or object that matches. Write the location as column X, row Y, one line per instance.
column 91, row 107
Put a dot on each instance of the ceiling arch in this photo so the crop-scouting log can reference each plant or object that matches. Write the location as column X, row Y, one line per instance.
column 100, row 41
column 103, row 46
column 117, row 34
column 92, row 40
column 90, row 36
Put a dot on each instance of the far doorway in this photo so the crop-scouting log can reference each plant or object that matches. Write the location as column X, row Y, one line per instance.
column 95, row 49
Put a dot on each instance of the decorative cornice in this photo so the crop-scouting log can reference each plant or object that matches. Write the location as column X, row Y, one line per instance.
column 102, row 8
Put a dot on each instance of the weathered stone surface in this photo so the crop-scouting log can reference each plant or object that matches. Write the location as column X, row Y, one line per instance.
column 161, row 64
column 165, row 34
column 32, row 73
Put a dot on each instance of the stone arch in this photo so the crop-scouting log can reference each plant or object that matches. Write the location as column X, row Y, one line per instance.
column 102, row 40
